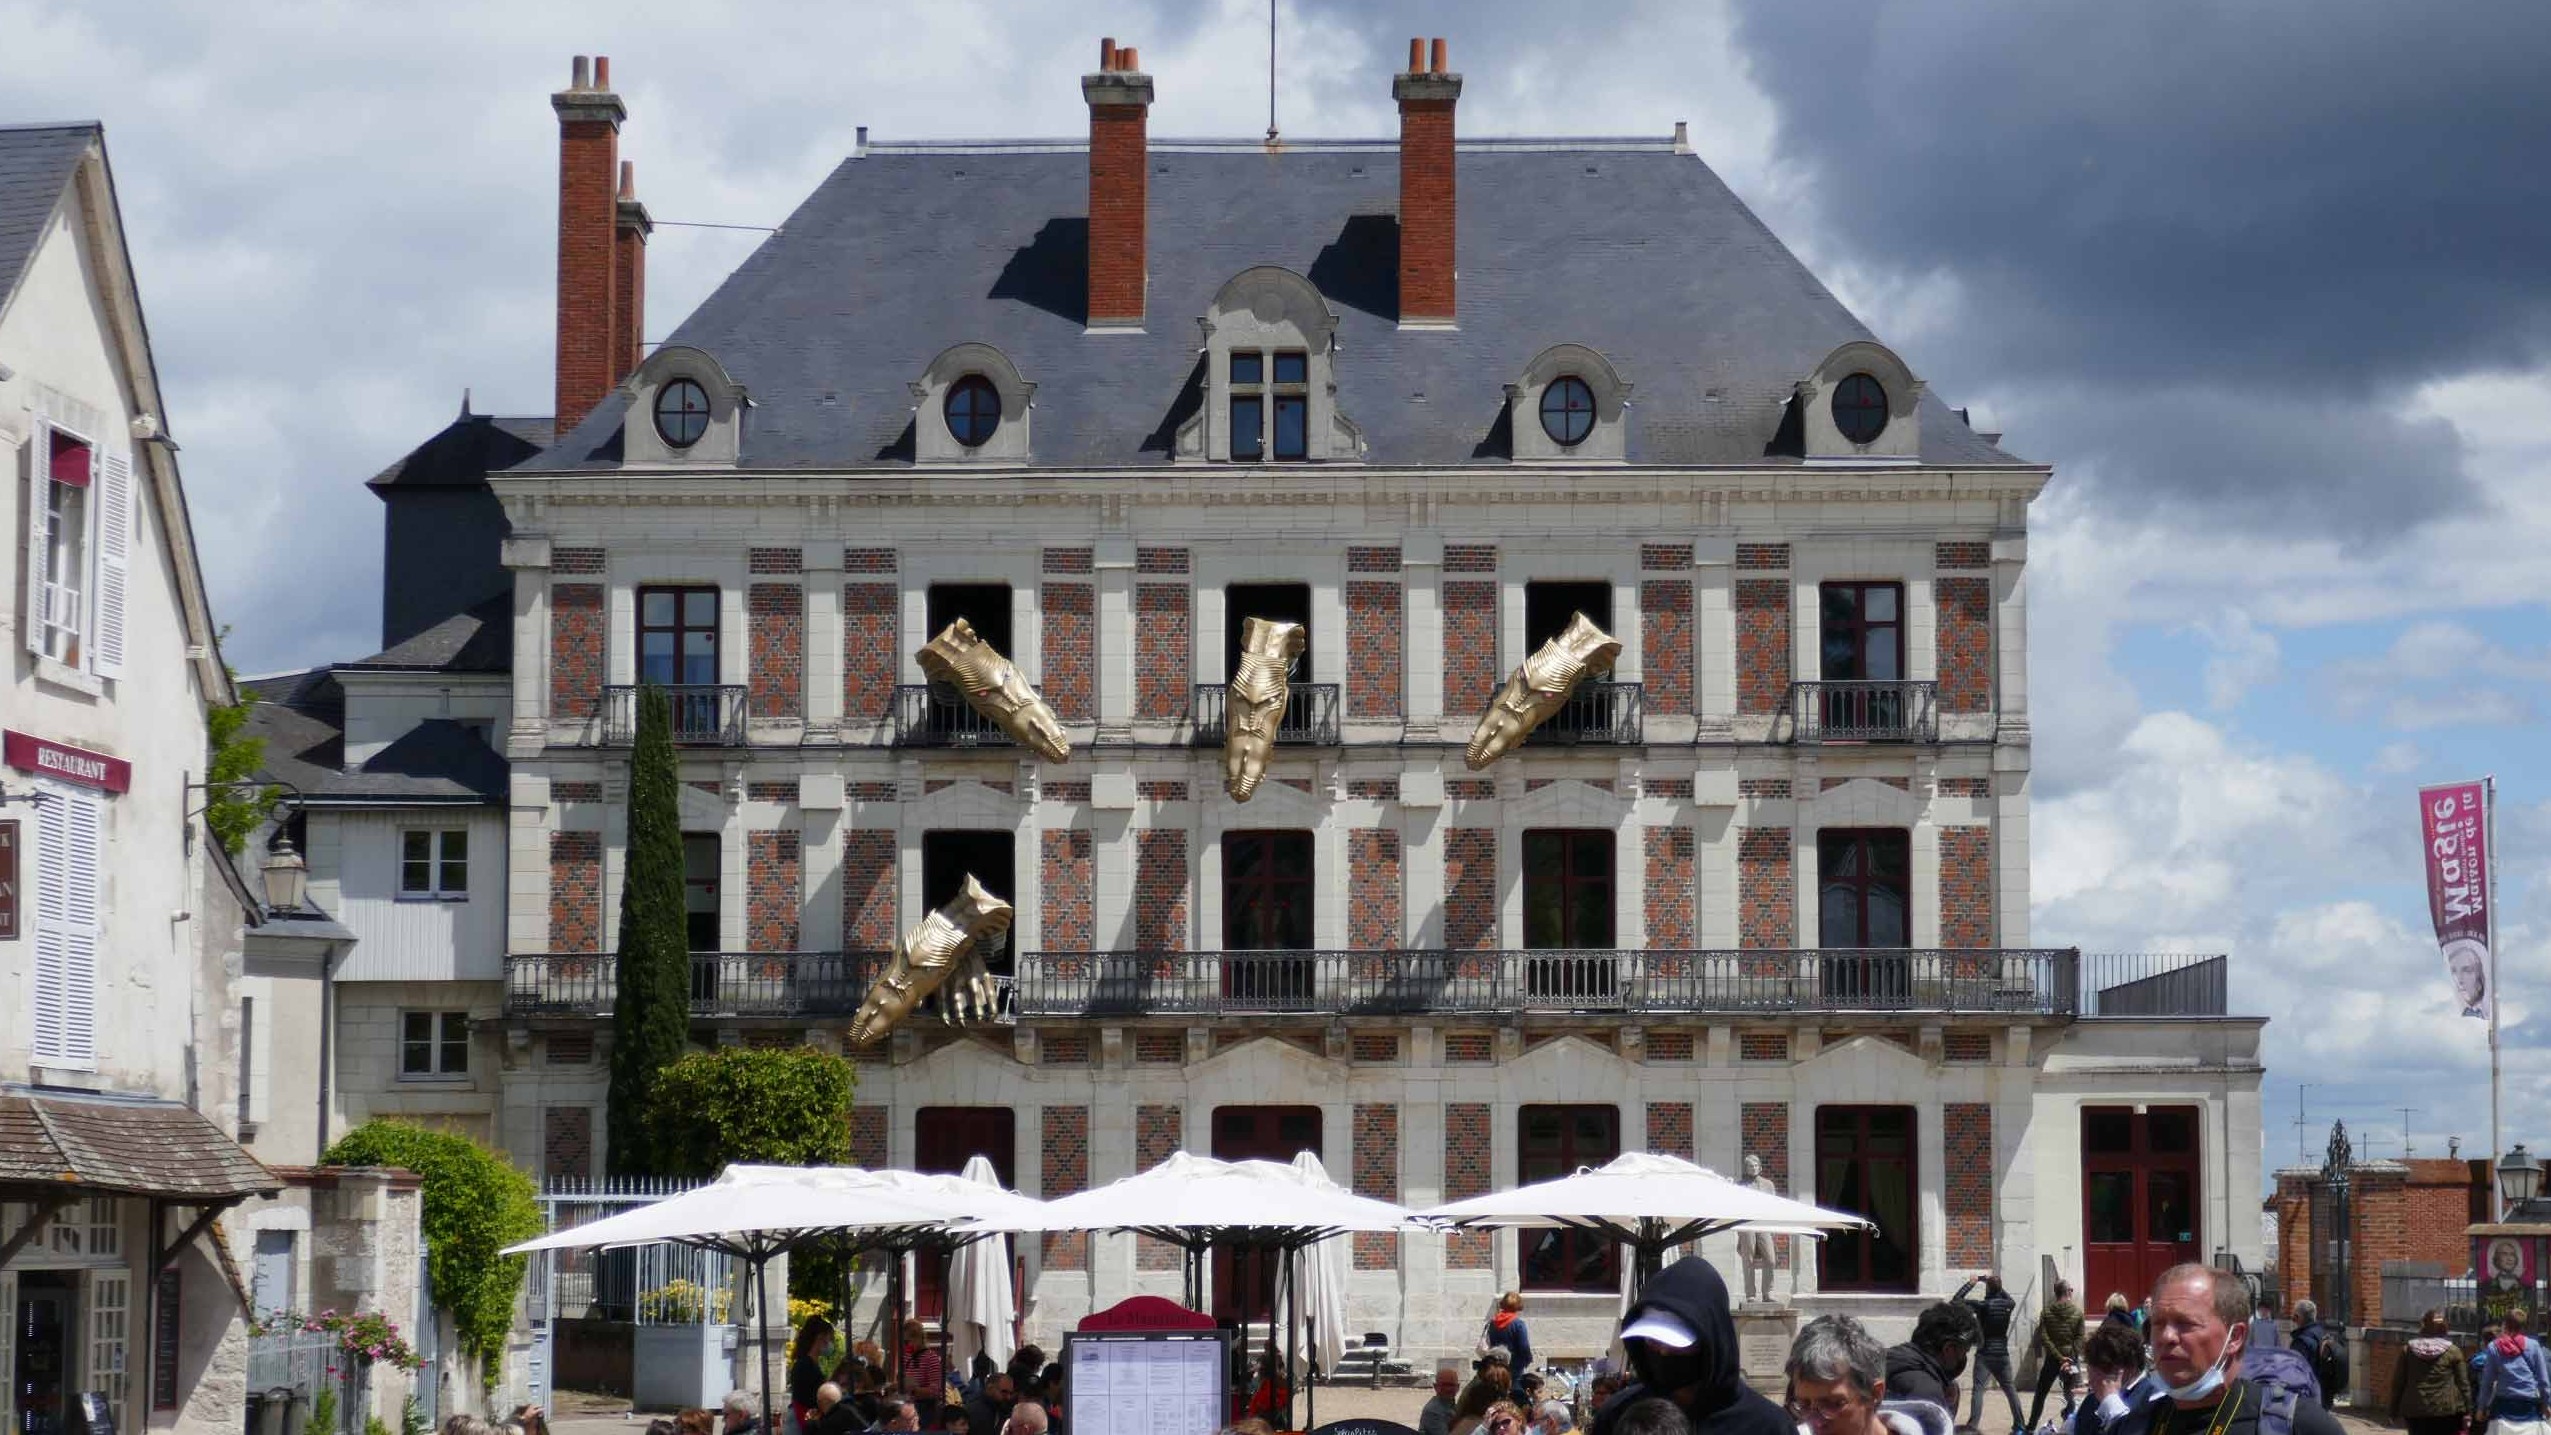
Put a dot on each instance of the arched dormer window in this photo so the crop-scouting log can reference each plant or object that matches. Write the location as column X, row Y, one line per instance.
column 971, row 406
column 1270, row 392
column 1570, row 405
column 683, row 410
column 1861, row 403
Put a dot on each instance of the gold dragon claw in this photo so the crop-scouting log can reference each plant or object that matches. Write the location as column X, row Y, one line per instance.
column 1540, row 687
column 1253, row 709
column 993, row 687
column 943, row 944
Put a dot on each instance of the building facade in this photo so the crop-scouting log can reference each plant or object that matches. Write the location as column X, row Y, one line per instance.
column 1761, row 888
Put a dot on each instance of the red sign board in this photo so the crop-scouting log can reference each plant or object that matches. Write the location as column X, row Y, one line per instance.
column 8, row 881
column 75, row 765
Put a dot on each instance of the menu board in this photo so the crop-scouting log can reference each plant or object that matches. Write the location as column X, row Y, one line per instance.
column 1135, row 1384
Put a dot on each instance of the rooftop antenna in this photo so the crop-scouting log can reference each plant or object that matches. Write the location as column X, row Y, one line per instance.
column 1271, row 73
column 2406, row 1150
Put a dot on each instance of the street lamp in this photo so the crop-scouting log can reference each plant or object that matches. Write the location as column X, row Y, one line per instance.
column 2519, row 1177
column 285, row 875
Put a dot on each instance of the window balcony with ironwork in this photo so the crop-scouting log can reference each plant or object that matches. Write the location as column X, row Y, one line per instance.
column 704, row 714
column 1901, row 710
column 1310, row 715
column 930, row 715
column 1597, row 713
column 723, row 984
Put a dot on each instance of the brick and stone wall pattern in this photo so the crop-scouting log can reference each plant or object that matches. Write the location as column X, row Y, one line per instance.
column 773, row 880
column 1070, row 884
column 1762, row 644
column 1375, row 641
column 1158, row 1134
column 1766, row 889
column 868, row 1137
column 1064, row 1170
column 1966, row 887
column 1164, row 664
column 1373, row 911
column 1070, row 650
column 1763, row 1130
column 1470, row 646
column 1470, row 888
column 1670, row 1128
column 566, row 1143
column 776, row 614
column 1376, row 1174
column 575, row 891
column 1966, row 643
column 868, row 890
column 869, row 628
column 1669, row 887
column 1468, row 1164
column 1665, row 639
column 576, row 647
column 1160, row 890
column 1962, row 556
column 1966, row 1147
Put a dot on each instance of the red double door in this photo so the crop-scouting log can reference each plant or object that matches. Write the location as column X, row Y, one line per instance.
column 2140, row 1185
column 944, row 1139
column 1244, row 1282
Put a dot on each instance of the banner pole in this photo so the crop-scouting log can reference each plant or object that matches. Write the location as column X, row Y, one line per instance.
column 2489, row 909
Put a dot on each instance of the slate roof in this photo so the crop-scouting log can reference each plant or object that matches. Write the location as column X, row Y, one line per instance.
column 36, row 161
column 115, row 1146
column 480, row 640
column 1623, row 245
column 301, row 716
column 463, row 452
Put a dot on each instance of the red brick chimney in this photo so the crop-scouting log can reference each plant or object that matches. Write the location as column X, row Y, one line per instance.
column 589, row 329
column 1426, row 95
column 1119, row 97
column 629, row 276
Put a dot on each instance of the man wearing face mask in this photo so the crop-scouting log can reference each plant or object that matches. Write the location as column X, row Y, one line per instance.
column 1927, row 1367
column 2198, row 1327
column 1681, row 1339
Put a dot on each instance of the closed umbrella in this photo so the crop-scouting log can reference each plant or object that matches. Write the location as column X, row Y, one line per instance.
column 1319, row 1282
column 980, row 1314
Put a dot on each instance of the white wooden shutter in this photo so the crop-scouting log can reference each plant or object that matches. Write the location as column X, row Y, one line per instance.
column 39, row 477
column 66, row 927
column 112, row 529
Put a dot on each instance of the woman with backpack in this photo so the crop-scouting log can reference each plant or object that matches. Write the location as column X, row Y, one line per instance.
column 2431, row 1387
column 2515, row 1379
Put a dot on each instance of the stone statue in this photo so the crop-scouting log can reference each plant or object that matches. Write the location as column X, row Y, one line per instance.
column 945, row 948
column 993, row 688
column 1254, row 707
column 1754, row 1249
column 1539, row 688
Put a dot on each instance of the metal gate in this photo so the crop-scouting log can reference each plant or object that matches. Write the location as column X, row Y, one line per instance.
column 662, row 1284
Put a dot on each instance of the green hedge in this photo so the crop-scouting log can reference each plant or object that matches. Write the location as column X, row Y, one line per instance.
column 780, row 1107
column 475, row 1204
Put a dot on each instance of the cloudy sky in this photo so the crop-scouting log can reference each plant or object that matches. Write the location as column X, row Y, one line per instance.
column 2264, row 279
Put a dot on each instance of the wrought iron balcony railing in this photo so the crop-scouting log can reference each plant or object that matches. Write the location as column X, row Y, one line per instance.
column 1310, row 714
column 1613, row 714
column 928, row 715
column 722, row 983
column 1904, row 711
column 704, row 714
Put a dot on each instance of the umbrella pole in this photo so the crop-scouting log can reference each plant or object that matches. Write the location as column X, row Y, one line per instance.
column 762, row 1342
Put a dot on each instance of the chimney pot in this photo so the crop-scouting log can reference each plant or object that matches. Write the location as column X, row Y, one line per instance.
column 580, row 75
column 863, row 139
column 1416, row 55
column 628, row 179
column 1682, row 137
column 1130, row 59
column 602, row 68
column 1435, row 67
column 1107, row 54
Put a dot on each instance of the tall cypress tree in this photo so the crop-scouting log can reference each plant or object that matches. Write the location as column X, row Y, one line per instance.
column 651, row 1017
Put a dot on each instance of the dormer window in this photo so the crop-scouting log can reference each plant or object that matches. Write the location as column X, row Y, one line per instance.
column 1286, row 396
column 684, row 410
column 971, row 406
column 681, row 413
column 1567, row 411
column 1859, row 406
column 1860, row 409
column 1269, row 377
column 1569, row 405
column 973, row 410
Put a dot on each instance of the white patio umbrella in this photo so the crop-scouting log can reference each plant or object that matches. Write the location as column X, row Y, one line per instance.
column 1319, row 1282
column 1647, row 1202
column 981, row 1315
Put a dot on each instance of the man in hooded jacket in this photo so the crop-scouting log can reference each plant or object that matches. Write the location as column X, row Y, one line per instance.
column 1681, row 1340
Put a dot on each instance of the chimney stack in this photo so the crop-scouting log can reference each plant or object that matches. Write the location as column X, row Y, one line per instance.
column 1119, row 97
column 629, row 275
column 1426, row 95
column 595, row 342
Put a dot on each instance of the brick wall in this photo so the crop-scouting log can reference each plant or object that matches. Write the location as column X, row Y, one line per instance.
column 1160, row 889
column 773, row 879
column 1063, row 1170
column 868, row 890
column 1158, row 1133
column 1470, row 646
column 1375, row 637
column 1762, row 644
column 1468, row 1156
column 868, row 560
column 1670, row 1128
column 1966, row 787
column 575, row 891
column 1956, row 556
column 1470, row 888
column 1376, row 1174
column 1373, row 911
column 1966, row 643
column 1070, row 648
column 1966, row 887
column 1966, row 1147
column 1070, row 922
column 1470, row 557
column 868, row 1138
column 1665, row 640
column 1119, row 211
column 1669, row 887
column 581, row 562
column 776, row 614
column 1763, row 1128
column 869, row 627
column 1163, row 650
column 1428, row 272
column 576, row 647
column 566, row 1143
column 1766, row 889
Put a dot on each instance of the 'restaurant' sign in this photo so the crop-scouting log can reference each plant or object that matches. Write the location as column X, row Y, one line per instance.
column 76, row 765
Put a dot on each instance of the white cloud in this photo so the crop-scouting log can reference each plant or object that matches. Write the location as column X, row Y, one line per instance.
column 2245, row 656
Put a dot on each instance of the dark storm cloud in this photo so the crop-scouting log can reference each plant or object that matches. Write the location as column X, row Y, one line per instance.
column 2205, row 251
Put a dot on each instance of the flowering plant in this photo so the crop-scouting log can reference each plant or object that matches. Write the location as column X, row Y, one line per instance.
column 681, row 1302
column 365, row 1336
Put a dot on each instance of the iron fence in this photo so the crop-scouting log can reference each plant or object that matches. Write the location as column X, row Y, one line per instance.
column 704, row 714
column 1310, row 714
column 1894, row 711
column 932, row 715
column 1597, row 713
column 2129, row 984
column 738, row 984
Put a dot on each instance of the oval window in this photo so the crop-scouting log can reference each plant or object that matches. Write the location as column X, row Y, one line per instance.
column 681, row 412
column 1860, row 408
column 1567, row 410
column 974, row 410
